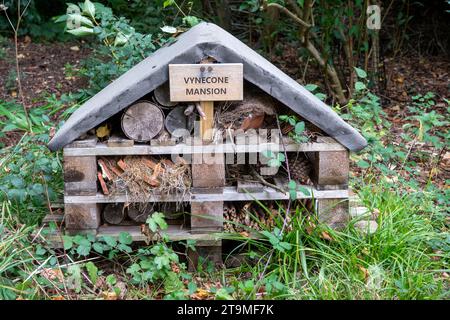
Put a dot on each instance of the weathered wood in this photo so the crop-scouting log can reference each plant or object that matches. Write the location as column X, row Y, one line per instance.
column 333, row 212
column 162, row 95
column 228, row 194
column 178, row 124
column 142, row 121
column 138, row 214
column 207, row 123
column 211, row 82
column 246, row 187
column 181, row 148
column 82, row 216
column 80, row 175
column 206, row 216
column 88, row 142
column 114, row 213
column 208, row 175
column 330, row 169
column 119, row 142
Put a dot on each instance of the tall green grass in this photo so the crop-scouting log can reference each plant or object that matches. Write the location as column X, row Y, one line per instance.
column 396, row 262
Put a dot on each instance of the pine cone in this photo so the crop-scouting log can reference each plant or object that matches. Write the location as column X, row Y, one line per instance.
column 300, row 168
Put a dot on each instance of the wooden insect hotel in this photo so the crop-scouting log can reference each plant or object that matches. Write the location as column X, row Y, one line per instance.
column 190, row 132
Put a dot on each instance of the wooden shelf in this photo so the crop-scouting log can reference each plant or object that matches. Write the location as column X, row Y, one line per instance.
column 229, row 194
column 101, row 149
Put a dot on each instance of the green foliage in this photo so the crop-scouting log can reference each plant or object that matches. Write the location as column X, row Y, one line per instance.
column 121, row 47
column 298, row 135
column 85, row 245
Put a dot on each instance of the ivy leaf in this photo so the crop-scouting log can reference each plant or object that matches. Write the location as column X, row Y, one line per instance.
column 292, row 185
column 361, row 73
column 192, row 287
column 156, row 220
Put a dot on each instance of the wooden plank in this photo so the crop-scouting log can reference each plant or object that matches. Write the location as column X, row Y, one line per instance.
column 119, row 142
column 206, row 82
column 174, row 232
column 206, row 216
column 207, row 123
column 102, row 149
column 82, row 216
column 229, row 194
column 252, row 187
column 80, row 175
column 330, row 169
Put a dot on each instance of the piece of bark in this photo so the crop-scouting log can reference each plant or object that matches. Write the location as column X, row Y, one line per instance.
column 102, row 183
column 122, row 165
column 105, row 170
column 142, row 121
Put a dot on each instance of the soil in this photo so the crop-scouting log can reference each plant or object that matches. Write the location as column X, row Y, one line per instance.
column 43, row 71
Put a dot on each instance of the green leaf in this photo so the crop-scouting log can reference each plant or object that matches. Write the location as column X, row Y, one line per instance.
column 169, row 29
column 359, row 86
column 79, row 20
column 111, row 279
column 156, row 220
column 363, row 164
column 191, row 21
column 311, row 87
column 299, row 127
column 89, row 8
column 68, row 243
column 121, row 40
column 361, row 73
column 192, row 287
column 125, row 238
column 222, row 294
column 84, row 248
column 81, row 31
column 168, row 3
column 98, row 247
column 292, row 185
column 92, row 271
column 110, row 241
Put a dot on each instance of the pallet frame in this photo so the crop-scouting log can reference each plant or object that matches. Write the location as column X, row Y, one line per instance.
column 82, row 200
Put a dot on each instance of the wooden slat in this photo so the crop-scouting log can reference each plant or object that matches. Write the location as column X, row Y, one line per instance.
column 103, row 150
column 229, row 194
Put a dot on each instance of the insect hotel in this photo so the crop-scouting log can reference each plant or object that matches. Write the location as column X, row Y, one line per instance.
column 193, row 131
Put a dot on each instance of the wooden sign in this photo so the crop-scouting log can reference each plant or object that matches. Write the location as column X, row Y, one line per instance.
column 206, row 82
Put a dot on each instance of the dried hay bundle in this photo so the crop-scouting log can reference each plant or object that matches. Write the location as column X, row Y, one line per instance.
column 143, row 176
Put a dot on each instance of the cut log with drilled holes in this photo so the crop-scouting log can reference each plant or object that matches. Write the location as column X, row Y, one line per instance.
column 178, row 124
column 142, row 121
column 138, row 214
column 162, row 95
column 114, row 213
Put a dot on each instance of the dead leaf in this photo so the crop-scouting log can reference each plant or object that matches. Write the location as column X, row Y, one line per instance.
column 103, row 131
column 75, row 48
column 325, row 235
column 364, row 271
column 245, row 234
column 201, row 294
column 109, row 295
column 52, row 274
column 58, row 298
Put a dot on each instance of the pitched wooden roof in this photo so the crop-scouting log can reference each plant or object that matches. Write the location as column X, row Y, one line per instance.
column 205, row 39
